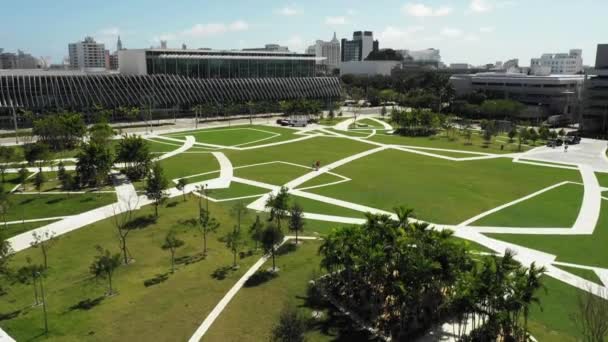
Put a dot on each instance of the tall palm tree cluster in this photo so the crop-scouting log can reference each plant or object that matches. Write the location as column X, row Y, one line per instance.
column 404, row 277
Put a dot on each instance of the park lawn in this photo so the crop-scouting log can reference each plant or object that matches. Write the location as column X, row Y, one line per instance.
column 448, row 153
column 27, row 207
column 254, row 310
column 322, row 180
column 440, row 191
column 10, row 181
column 188, row 164
column 238, row 190
column 170, row 311
column 583, row 273
column 15, row 229
column 602, row 178
column 244, row 135
column 370, row 123
column 440, row 141
column 162, row 146
column 322, row 149
column 332, row 122
column 556, row 208
column 351, row 133
column 588, row 250
column 52, row 183
column 316, row 207
column 275, row 173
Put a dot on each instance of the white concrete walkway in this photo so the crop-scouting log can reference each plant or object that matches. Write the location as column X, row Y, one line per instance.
column 185, row 147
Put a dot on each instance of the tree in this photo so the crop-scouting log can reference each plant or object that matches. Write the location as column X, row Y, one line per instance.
column 156, row 185
column 383, row 111
column 104, row 266
column 5, row 203
column 489, row 130
column 60, row 131
column 592, row 316
column 278, row 205
column 296, row 220
column 234, row 242
column 512, row 133
column 39, row 180
column 22, row 176
column 271, row 236
column 101, row 133
column 6, row 253
column 6, row 155
column 45, row 241
column 238, row 211
column 256, row 230
column 181, row 186
column 95, row 161
column 122, row 221
column 523, row 136
column 172, row 243
column 561, row 132
column 134, row 152
column 36, row 154
column 207, row 225
column 30, row 274
column 532, row 282
column 533, row 136
column 290, row 328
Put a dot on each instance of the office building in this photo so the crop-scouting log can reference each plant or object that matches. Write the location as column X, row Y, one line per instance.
column 544, row 95
column 560, row 63
column 595, row 112
column 428, row 55
column 87, row 55
column 217, row 63
column 329, row 50
column 369, row 68
column 360, row 47
column 19, row 60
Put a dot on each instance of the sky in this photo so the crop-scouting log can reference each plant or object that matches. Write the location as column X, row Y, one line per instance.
column 466, row 31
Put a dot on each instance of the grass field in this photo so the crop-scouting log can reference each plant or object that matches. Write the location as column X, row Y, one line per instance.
column 184, row 165
column 586, row 250
column 441, row 191
column 440, row 141
column 26, row 207
column 242, row 135
column 16, row 229
column 555, row 208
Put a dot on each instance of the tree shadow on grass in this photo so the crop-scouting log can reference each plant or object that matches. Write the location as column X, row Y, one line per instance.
column 87, row 304
column 259, row 278
column 141, row 222
column 172, row 204
column 339, row 327
column 221, row 273
column 26, row 201
column 286, row 248
column 55, row 200
column 9, row 315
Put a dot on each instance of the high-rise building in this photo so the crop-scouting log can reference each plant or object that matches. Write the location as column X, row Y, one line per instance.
column 19, row 60
column 330, row 50
column 163, row 44
column 560, row 63
column 360, row 47
column 87, row 54
column 595, row 113
column 119, row 44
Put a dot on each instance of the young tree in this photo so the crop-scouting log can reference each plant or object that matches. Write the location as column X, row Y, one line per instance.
column 171, row 244
column 104, row 266
column 523, row 136
column 6, row 155
column 5, row 203
column 37, row 154
column 121, row 221
column 512, row 133
column 533, row 136
column 234, row 242
column 181, row 186
column 22, row 177
column 6, row 253
column 39, row 180
column 561, row 132
column 296, row 220
column 256, row 230
column 238, row 211
column 207, row 225
column 45, row 241
column 156, row 185
column 30, row 274
column 592, row 316
column 271, row 236
column 278, row 205
column 290, row 328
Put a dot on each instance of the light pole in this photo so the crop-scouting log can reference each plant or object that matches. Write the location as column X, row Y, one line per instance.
column 15, row 123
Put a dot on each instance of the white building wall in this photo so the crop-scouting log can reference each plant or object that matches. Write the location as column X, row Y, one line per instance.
column 132, row 62
column 368, row 68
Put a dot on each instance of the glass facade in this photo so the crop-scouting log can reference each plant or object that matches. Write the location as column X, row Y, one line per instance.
column 235, row 65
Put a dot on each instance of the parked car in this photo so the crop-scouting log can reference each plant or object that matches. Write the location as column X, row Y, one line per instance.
column 283, row 122
column 555, row 143
column 298, row 122
column 572, row 140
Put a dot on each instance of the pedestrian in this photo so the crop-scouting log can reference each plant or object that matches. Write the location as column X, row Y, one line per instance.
column 318, row 165
column 566, row 148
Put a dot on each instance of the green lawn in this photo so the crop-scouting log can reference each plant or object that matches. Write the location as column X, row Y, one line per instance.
column 26, row 207
column 602, row 178
column 368, row 123
column 557, row 208
column 242, row 135
column 323, row 179
column 441, row 191
column 440, row 141
column 16, row 229
column 188, row 164
column 275, row 173
column 238, row 190
column 583, row 273
column 253, row 312
column 162, row 146
column 589, row 250
column 167, row 312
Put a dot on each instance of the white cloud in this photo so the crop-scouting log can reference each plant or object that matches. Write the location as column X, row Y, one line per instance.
column 487, row 29
column 288, row 11
column 451, row 32
column 351, row 12
column 340, row 20
column 205, row 30
column 480, row 6
column 422, row 10
column 471, row 37
column 399, row 38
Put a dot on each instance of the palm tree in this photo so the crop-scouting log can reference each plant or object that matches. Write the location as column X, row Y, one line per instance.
column 403, row 215
column 533, row 282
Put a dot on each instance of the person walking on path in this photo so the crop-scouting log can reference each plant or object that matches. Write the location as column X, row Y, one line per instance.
column 566, row 148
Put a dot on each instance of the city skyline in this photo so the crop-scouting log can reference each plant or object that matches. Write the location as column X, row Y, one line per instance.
column 466, row 31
